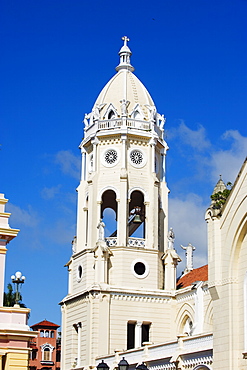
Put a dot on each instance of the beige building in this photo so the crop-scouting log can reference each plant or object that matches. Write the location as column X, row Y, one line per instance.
column 123, row 299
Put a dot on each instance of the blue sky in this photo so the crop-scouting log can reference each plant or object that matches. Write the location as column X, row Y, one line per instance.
column 56, row 57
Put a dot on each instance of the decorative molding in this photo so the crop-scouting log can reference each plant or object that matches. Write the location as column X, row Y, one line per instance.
column 230, row 280
column 138, row 298
column 186, row 296
column 168, row 366
column 113, row 140
column 191, row 363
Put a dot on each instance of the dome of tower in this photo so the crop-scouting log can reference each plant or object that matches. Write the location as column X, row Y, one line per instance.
column 124, row 88
column 136, row 95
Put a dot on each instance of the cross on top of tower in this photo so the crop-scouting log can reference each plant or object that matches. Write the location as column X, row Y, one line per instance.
column 125, row 40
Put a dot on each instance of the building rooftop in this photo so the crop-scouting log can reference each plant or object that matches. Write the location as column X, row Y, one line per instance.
column 199, row 274
column 45, row 324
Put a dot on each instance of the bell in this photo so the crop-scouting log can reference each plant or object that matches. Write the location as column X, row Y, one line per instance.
column 137, row 219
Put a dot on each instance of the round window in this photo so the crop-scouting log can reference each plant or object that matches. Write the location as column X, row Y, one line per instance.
column 140, row 268
column 137, row 158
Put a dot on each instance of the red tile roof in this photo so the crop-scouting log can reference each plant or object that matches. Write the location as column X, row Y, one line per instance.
column 45, row 324
column 199, row 274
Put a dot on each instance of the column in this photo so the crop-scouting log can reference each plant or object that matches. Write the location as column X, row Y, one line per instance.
column 83, row 164
column 78, row 344
column 138, row 334
column 95, row 143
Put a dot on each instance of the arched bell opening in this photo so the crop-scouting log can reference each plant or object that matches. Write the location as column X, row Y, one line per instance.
column 136, row 222
column 109, row 213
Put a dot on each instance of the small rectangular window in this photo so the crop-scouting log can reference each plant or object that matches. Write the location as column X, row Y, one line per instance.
column 131, row 335
column 145, row 332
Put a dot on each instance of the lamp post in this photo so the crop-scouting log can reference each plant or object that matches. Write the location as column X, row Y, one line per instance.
column 17, row 279
column 102, row 366
column 142, row 367
column 123, row 364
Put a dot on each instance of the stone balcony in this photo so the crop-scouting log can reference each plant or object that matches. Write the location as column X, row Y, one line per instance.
column 120, row 124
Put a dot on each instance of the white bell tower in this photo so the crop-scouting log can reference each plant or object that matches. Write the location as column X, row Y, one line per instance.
column 122, row 184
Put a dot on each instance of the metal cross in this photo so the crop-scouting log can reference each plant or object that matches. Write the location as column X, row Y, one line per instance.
column 125, row 39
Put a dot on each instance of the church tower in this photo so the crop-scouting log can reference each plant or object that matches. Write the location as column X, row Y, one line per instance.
column 122, row 270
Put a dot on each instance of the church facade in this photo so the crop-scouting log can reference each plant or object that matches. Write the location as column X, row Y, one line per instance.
column 123, row 298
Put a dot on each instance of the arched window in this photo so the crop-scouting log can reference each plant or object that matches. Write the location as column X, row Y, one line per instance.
column 137, row 115
column 52, row 334
column 42, row 333
column 47, row 333
column 47, row 350
column 188, row 326
column 46, row 354
column 111, row 114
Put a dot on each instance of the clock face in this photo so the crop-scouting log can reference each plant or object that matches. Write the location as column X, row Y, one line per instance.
column 110, row 157
column 137, row 158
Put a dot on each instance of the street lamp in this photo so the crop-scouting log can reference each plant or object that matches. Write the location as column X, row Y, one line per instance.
column 17, row 279
column 142, row 367
column 102, row 366
column 123, row 364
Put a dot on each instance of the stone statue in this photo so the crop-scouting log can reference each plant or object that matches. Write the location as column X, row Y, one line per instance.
column 96, row 114
column 162, row 121
column 152, row 112
column 101, row 227
column 86, row 118
column 189, row 256
column 171, row 238
column 123, row 107
column 74, row 242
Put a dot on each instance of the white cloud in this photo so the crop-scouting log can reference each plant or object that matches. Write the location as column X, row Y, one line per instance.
column 49, row 193
column 228, row 162
column 69, row 163
column 193, row 138
column 61, row 232
column 210, row 158
column 19, row 216
column 186, row 217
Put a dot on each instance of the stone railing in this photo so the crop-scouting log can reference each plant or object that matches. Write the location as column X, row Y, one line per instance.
column 139, row 125
column 111, row 241
column 119, row 123
column 111, row 123
column 136, row 242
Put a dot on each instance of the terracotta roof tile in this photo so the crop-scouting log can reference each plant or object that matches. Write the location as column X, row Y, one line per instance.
column 199, row 274
column 45, row 323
